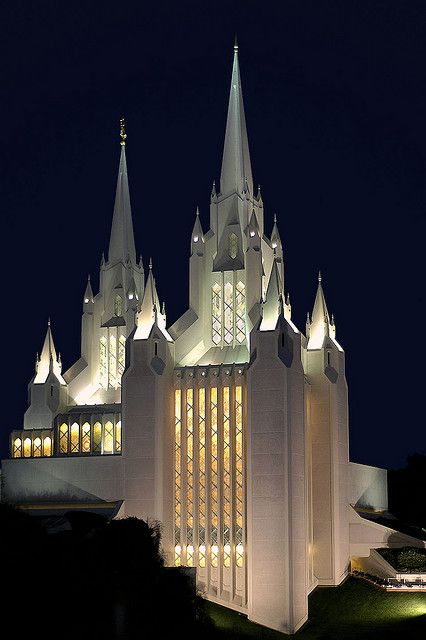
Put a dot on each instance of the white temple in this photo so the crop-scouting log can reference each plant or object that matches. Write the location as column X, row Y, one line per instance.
column 230, row 426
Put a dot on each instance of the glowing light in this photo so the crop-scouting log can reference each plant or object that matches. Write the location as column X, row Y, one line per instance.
column 37, row 448
column 274, row 245
column 252, row 234
column 131, row 296
column 195, row 238
column 27, row 448
column 47, row 446
column 86, row 300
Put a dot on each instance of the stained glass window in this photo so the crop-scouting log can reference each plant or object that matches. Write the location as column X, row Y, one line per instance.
column 103, row 362
column 118, row 437
column 37, row 448
column 75, row 438
column 63, row 438
column 47, row 446
column 214, row 498
column 97, row 437
column 85, row 438
column 17, row 448
column 178, row 495
column 239, row 486
column 27, row 448
column 202, row 477
column 216, row 313
column 233, row 246
column 108, row 437
column 226, row 479
column 240, row 312
column 229, row 313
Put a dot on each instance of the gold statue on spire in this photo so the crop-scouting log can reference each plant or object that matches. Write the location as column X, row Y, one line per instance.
column 123, row 134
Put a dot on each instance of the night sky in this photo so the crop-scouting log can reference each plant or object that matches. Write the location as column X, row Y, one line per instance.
column 335, row 100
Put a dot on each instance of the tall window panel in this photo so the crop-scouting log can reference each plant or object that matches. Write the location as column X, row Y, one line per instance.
column 85, row 438
column 239, row 478
column 228, row 334
column 214, row 501
column 178, row 476
column 228, row 313
column 112, row 361
column 121, row 356
column 63, row 438
column 226, row 479
column 190, row 477
column 240, row 312
column 202, row 477
column 103, row 362
column 216, row 313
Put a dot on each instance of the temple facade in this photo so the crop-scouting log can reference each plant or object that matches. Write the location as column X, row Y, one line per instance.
column 229, row 426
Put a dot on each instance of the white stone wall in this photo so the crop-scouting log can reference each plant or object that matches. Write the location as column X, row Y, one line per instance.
column 368, row 487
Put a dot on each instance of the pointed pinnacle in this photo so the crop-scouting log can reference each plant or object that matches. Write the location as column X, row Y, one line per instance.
column 150, row 263
column 123, row 134
column 197, row 213
column 236, row 44
column 163, row 310
column 319, row 276
column 275, row 218
column 48, row 321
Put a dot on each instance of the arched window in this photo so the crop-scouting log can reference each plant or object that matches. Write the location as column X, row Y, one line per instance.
column 47, row 446
column 233, row 246
column 27, row 448
column 17, row 448
column 37, row 448
column 75, row 437
column 85, row 438
column 108, row 437
column 118, row 437
column 63, row 438
column 118, row 305
column 97, row 437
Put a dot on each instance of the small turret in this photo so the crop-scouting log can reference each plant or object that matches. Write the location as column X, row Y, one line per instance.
column 197, row 237
column 320, row 326
column 150, row 313
column 88, row 294
column 272, row 307
column 254, row 239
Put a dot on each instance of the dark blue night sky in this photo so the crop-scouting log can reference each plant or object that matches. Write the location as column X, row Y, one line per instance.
column 335, row 99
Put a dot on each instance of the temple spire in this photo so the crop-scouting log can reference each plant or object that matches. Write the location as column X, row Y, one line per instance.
column 48, row 362
column 236, row 167
column 122, row 242
column 151, row 313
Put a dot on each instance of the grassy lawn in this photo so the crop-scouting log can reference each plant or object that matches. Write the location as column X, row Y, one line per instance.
column 355, row 610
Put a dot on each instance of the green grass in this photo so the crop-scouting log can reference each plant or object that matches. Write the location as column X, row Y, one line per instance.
column 355, row 610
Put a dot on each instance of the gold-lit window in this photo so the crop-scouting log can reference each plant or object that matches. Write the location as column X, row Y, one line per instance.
column 178, row 495
column 27, row 448
column 75, row 437
column 202, row 477
column 47, row 446
column 112, row 361
column 239, row 486
column 226, row 478
column 63, row 438
column 108, row 437
column 190, row 476
column 103, row 362
column 37, row 448
column 240, row 312
column 97, row 437
column 228, row 324
column 85, row 438
column 214, row 498
column 118, row 437
column 17, row 448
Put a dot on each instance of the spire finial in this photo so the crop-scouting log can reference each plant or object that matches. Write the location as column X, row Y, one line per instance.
column 235, row 44
column 275, row 218
column 123, row 134
column 48, row 321
column 319, row 276
column 197, row 213
column 150, row 263
column 88, row 277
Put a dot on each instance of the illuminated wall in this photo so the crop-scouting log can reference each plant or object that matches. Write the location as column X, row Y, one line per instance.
column 209, row 472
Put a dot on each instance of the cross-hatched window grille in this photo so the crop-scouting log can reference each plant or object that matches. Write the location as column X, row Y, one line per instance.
column 216, row 313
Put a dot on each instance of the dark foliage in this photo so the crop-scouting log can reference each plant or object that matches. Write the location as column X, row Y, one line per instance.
column 95, row 579
column 406, row 492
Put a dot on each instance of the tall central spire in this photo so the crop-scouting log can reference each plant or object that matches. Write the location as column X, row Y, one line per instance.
column 122, row 242
column 236, row 167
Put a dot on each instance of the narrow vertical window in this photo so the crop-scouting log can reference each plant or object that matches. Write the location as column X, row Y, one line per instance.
column 37, row 448
column 97, row 437
column 328, row 358
column 118, row 437
column 108, row 437
column 118, row 305
column 233, row 246
column 63, row 438
column 214, row 502
column 202, row 477
column 47, row 446
column 121, row 357
column 178, row 495
column 228, row 334
column 112, row 360
column 103, row 362
column 240, row 312
column 85, row 438
column 216, row 313
column 190, row 477
column 239, row 487
column 75, row 438
column 226, row 479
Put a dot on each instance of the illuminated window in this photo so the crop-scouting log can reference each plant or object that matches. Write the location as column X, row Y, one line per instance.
column 63, row 438
column 229, row 313
column 226, row 479
column 112, row 361
column 233, row 246
column 202, row 477
column 121, row 356
column 239, row 487
column 85, row 438
column 190, row 476
column 27, row 448
column 108, row 437
column 178, row 495
column 75, row 437
column 103, row 362
column 216, row 313
column 47, row 446
column 17, row 448
column 118, row 437
column 37, row 448
column 97, row 437
column 118, row 305
column 214, row 501
column 240, row 312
